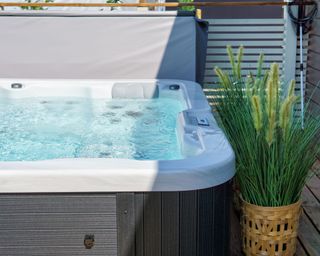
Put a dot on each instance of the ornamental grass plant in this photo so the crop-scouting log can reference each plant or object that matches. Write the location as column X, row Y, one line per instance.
column 273, row 152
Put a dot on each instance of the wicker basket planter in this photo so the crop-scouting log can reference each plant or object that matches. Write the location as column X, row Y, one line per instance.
column 270, row 231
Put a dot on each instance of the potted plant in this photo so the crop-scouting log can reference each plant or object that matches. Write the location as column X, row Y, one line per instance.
column 274, row 153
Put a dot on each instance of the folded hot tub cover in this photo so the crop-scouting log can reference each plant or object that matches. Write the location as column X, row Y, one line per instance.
column 102, row 45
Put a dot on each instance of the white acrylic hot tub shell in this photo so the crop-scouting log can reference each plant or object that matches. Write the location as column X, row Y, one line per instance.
column 213, row 166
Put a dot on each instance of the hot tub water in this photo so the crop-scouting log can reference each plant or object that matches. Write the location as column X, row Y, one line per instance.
column 50, row 128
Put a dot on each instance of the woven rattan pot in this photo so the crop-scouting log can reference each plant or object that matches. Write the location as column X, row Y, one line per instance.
column 270, row 231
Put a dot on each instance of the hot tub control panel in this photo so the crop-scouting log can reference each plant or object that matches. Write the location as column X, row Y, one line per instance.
column 196, row 119
column 193, row 127
column 203, row 121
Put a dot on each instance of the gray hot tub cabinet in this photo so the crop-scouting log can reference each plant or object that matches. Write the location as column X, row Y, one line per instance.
column 189, row 223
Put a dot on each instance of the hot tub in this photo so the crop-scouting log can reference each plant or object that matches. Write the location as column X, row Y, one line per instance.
column 102, row 204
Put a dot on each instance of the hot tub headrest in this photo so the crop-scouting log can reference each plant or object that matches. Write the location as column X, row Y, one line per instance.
column 135, row 91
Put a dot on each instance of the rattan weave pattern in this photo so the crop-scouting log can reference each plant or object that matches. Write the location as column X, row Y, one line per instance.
column 270, row 231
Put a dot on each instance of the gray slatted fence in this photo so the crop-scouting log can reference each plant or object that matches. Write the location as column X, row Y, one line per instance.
column 313, row 68
column 268, row 36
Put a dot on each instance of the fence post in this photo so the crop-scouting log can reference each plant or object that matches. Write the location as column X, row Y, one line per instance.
column 289, row 48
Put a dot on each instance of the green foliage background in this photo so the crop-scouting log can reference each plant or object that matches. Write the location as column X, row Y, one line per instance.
column 186, row 8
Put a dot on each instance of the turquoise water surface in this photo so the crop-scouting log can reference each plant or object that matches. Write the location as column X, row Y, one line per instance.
column 49, row 128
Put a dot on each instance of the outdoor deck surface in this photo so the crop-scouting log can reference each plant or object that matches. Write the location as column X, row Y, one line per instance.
column 309, row 228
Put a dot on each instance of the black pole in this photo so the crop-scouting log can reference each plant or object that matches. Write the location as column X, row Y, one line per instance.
column 304, row 16
column 301, row 14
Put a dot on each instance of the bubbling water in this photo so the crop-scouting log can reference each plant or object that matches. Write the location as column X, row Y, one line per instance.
column 50, row 128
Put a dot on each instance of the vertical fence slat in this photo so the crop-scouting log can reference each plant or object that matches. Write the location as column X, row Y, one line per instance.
column 152, row 224
column 126, row 224
column 205, row 222
column 139, row 234
column 170, row 223
column 222, row 205
column 188, row 223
